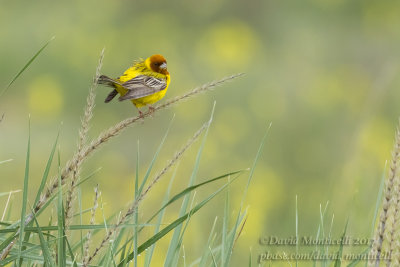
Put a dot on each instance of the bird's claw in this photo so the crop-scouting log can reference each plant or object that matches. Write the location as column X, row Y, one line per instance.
column 141, row 115
column 151, row 110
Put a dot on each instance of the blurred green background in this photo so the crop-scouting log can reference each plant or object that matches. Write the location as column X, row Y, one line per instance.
column 324, row 72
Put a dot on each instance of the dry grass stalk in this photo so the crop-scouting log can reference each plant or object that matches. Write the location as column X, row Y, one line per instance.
column 106, row 135
column 392, row 223
column 115, row 130
column 7, row 250
column 132, row 209
column 388, row 220
column 240, row 231
column 88, row 114
column 92, row 222
column 395, row 241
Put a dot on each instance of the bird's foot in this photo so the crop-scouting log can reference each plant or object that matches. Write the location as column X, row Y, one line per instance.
column 151, row 110
column 141, row 115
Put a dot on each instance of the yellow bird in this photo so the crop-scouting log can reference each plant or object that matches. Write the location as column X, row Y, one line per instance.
column 145, row 83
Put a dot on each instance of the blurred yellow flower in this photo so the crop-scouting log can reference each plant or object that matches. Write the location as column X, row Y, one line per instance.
column 230, row 45
column 45, row 96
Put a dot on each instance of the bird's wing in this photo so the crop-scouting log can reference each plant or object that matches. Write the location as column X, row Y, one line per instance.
column 142, row 86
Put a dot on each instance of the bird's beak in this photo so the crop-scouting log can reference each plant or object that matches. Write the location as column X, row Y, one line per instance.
column 163, row 66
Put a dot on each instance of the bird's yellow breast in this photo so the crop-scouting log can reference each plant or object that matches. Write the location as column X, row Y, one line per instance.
column 134, row 71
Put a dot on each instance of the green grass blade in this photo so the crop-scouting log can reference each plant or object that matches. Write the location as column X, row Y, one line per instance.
column 378, row 201
column 322, row 223
column 71, row 253
column 48, row 232
column 183, row 193
column 122, row 254
column 117, row 240
column 30, row 253
column 88, row 177
column 330, row 234
column 9, row 239
column 225, row 225
column 48, row 259
column 338, row 261
column 175, row 237
column 238, row 220
column 74, row 227
column 61, row 255
column 250, row 259
column 50, row 200
column 136, row 216
column 26, row 66
column 123, row 258
column 180, row 240
column 146, row 176
column 253, row 167
column 104, row 258
column 297, row 231
column 82, row 212
column 232, row 237
column 173, row 225
column 24, row 195
column 95, row 228
column 213, row 259
column 204, row 256
column 46, row 171
column 80, row 218
column 42, row 185
column 190, row 189
column 150, row 251
column 26, row 254
column 373, row 223
column 356, row 261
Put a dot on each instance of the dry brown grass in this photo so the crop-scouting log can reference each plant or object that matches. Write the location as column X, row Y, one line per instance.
column 386, row 237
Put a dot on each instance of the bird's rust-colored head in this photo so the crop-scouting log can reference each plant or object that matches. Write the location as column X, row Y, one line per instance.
column 158, row 64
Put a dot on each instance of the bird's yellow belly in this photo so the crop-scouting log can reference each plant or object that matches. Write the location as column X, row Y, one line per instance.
column 143, row 101
column 150, row 99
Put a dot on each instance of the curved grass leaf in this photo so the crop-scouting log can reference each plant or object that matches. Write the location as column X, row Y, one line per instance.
column 149, row 253
column 183, row 193
column 48, row 259
column 173, row 225
column 24, row 196
column 26, row 66
column 338, row 261
column 173, row 247
column 231, row 239
column 61, row 251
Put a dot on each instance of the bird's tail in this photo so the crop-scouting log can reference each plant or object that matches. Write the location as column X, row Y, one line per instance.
column 111, row 95
column 103, row 79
